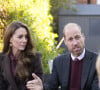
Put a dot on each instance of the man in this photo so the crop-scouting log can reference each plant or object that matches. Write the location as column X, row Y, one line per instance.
column 76, row 70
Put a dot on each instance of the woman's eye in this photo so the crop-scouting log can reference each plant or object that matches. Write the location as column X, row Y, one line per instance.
column 20, row 36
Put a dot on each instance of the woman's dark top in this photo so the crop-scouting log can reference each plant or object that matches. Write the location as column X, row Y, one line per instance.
column 10, row 82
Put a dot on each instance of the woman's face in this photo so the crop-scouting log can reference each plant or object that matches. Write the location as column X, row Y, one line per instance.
column 19, row 40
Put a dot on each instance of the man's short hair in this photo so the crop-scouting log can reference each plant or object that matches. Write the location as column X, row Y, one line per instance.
column 70, row 25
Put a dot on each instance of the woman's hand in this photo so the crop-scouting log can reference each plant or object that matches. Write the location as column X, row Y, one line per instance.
column 35, row 84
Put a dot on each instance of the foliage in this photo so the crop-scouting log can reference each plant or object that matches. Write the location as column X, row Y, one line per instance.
column 57, row 4
column 3, row 21
column 1, row 45
column 36, row 14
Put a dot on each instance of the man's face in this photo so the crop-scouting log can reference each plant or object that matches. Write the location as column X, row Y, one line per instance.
column 74, row 40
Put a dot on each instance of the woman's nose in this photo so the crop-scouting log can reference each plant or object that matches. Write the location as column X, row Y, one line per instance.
column 25, row 39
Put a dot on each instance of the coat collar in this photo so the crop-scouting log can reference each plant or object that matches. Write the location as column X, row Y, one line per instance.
column 66, row 68
column 87, row 62
column 7, row 72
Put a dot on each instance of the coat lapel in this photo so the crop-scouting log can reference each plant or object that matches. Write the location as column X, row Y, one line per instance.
column 7, row 72
column 85, row 68
column 66, row 68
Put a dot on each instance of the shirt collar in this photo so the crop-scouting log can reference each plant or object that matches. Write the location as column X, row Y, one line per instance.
column 79, row 57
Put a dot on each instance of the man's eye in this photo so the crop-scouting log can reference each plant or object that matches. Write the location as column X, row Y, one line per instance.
column 77, row 37
column 70, row 39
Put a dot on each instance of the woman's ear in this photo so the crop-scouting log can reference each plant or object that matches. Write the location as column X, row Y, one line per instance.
column 10, row 43
column 10, row 40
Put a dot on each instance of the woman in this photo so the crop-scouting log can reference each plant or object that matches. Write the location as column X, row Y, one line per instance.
column 20, row 65
column 98, row 68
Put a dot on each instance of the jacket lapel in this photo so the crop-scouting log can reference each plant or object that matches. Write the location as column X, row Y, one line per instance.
column 66, row 68
column 85, row 68
column 7, row 72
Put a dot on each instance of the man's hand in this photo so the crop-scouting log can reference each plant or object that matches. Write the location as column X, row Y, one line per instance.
column 35, row 84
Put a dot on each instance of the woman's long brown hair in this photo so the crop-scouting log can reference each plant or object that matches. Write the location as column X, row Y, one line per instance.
column 23, row 60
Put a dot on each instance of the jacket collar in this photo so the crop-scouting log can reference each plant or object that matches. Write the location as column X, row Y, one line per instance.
column 7, row 72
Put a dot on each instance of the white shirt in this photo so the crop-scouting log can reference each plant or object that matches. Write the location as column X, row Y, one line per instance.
column 79, row 57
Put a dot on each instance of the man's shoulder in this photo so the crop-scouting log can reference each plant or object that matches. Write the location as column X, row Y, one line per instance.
column 91, row 53
column 62, row 57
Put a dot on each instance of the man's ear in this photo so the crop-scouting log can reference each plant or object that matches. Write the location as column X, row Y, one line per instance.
column 83, row 36
column 65, row 41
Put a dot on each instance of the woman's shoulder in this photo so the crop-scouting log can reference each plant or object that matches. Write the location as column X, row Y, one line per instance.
column 36, row 55
column 36, row 58
column 1, row 54
column 1, row 57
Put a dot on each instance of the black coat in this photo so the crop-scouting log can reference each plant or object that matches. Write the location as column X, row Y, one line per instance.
column 8, row 82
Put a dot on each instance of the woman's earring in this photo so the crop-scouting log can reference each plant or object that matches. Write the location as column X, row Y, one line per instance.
column 10, row 44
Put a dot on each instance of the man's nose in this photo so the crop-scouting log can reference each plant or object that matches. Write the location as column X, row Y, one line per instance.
column 75, row 42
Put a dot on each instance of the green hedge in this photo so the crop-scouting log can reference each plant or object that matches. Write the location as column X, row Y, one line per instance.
column 36, row 14
column 1, row 45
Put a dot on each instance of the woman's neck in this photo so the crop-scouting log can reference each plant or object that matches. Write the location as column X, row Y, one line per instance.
column 16, row 53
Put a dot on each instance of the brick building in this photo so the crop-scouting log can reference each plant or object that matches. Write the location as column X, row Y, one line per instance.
column 87, row 1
